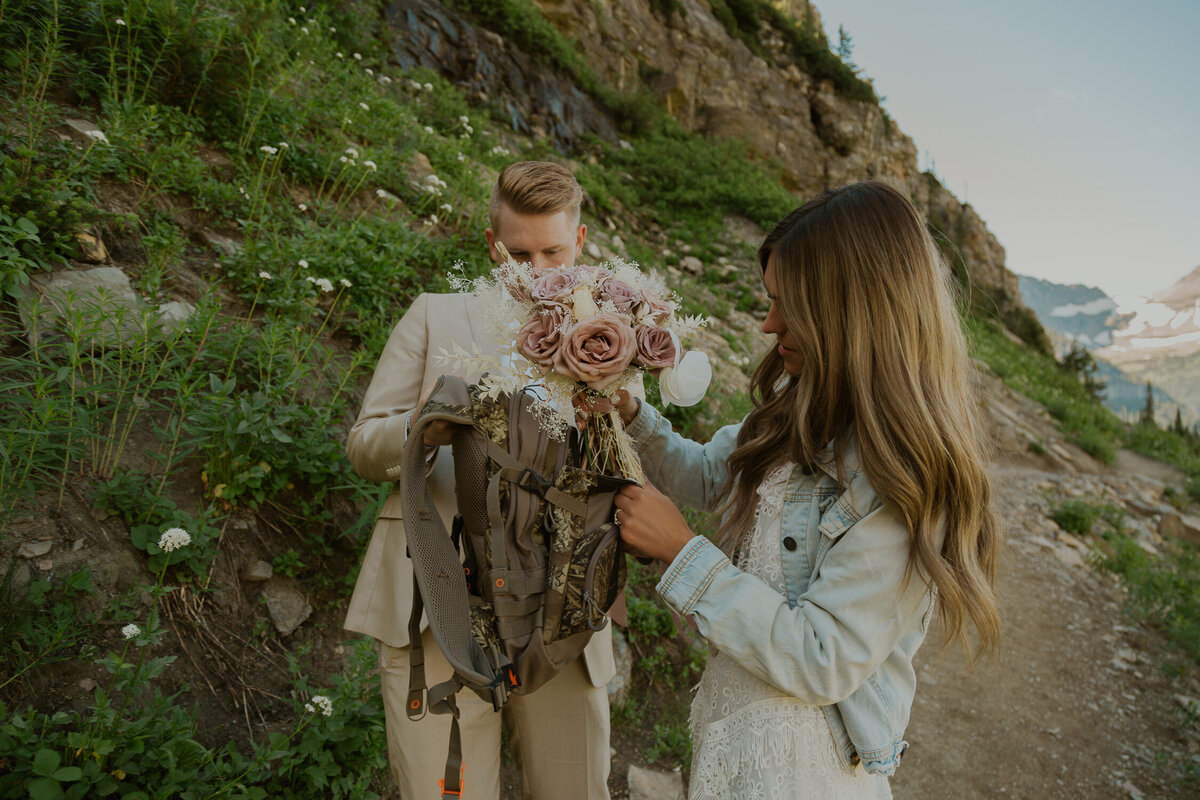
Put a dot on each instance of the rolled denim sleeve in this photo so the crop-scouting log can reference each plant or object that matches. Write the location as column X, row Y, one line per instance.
column 840, row 631
column 690, row 473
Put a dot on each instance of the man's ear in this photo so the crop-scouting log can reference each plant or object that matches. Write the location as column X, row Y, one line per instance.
column 580, row 235
column 490, row 235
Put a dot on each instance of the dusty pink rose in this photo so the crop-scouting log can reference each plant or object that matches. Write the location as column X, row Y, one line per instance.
column 622, row 295
column 655, row 347
column 554, row 285
column 540, row 337
column 655, row 307
column 596, row 351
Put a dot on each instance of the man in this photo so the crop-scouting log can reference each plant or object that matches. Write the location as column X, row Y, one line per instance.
column 559, row 733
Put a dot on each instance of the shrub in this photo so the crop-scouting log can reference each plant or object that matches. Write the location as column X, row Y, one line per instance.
column 1075, row 516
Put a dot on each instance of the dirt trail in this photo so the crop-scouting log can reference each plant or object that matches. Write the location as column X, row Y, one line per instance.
column 1080, row 704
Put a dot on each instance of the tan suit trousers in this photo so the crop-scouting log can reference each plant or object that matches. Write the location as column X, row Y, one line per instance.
column 559, row 734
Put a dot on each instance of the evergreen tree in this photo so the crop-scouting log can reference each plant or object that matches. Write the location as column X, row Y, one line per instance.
column 845, row 47
column 1148, row 412
column 1177, row 427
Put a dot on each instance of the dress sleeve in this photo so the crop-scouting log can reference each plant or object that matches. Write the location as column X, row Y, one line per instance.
column 376, row 441
column 858, row 606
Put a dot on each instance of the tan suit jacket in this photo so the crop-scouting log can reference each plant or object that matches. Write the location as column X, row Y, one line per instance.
column 407, row 370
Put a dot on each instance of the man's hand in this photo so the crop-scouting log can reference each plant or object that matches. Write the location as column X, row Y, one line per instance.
column 439, row 433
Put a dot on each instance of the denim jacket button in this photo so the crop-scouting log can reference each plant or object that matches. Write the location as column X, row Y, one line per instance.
column 789, row 543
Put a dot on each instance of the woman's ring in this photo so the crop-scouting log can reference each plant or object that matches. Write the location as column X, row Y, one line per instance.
column 616, row 519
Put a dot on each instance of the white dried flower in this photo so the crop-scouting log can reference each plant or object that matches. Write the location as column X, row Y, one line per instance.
column 364, row 106
column 266, row 148
column 323, row 284
column 120, row 22
column 324, row 704
column 130, row 631
column 345, row 283
column 173, row 539
column 370, row 165
column 266, row 276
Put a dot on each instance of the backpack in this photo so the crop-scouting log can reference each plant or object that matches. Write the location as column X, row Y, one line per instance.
column 540, row 563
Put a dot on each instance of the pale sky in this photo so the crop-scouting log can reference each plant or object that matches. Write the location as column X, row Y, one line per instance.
column 1072, row 127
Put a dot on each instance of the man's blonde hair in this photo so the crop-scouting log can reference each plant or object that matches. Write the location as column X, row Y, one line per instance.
column 536, row 187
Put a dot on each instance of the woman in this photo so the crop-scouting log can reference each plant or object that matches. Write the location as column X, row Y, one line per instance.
column 852, row 495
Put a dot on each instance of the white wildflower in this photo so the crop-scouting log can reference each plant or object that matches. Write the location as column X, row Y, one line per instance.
column 304, row 30
column 385, row 80
column 266, row 148
column 358, row 57
column 345, row 120
column 339, row 55
column 283, row 145
column 428, row 87
column 266, row 276
column 130, row 631
column 291, row 20
column 415, row 85
column 97, row 136
column 345, row 283
column 303, row 10
column 173, row 539
column 350, row 151
column 370, row 165
column 464, row 119
column 433, row 220
column 428, row 129
column 364, row 106
column 461, row 157
column 343, row 159
column 445, row 207
column 369, row 71
column 381, row 194
column 302, row 207
column 302, row 263
column 324, row 704
column 332, row 29
column 308, row 708
column 323, row 284
column 120, row 22
column 310, row 279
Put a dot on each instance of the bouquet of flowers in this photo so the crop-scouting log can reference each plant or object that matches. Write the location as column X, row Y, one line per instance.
column 581, row 335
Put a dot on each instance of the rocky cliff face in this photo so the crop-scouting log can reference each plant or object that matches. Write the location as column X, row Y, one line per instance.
column 712, row 83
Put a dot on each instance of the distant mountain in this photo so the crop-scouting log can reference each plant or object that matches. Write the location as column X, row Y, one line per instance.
column 1080, row 313
column 1156, row 340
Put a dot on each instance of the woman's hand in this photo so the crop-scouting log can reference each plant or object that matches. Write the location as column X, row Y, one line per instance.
column 651, row 525
column 620, row 401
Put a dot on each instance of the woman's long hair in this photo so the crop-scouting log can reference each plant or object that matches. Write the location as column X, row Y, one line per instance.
column 865, row 296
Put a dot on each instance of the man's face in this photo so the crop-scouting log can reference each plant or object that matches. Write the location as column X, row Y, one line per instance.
column 544, row 241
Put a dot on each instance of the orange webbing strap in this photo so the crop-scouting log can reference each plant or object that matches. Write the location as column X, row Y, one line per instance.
column 414, row 706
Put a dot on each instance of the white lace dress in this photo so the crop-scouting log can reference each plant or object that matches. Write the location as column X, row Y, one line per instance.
column 750, row 740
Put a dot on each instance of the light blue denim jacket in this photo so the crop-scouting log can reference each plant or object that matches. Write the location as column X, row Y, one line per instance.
column 844, row 633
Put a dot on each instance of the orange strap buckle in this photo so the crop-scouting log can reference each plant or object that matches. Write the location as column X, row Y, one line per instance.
column 462, row 770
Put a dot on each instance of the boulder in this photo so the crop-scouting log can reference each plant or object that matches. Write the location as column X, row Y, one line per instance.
column 618, row 687
column 648, row 784
column 286, row 604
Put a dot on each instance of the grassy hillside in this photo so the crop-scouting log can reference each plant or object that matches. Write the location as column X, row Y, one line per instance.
column 263, row 163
